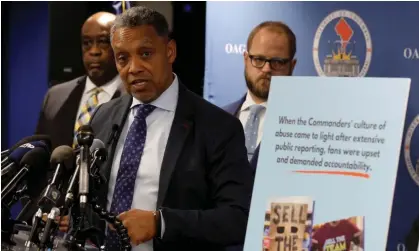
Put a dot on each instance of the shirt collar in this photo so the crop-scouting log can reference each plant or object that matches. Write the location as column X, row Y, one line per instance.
column 248, row 102
column 167, row 100
column 109, row 88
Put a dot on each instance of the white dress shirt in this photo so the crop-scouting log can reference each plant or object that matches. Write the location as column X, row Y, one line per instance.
column 243, row 114
column 104, row 96
column 159, row 123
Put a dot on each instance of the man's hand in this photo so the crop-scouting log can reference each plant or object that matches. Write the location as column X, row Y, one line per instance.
column 63, row 223
column 141, row 225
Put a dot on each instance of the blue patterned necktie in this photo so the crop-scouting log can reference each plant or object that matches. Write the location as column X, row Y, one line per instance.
column 251, row 129
column 128, row 168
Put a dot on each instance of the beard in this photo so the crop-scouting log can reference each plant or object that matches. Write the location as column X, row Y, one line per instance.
column 260, row 90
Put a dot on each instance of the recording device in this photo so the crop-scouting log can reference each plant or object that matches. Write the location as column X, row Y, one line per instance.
column 12, row 161
column 84, row 139
column 5, row 154
column 76, row 238
column 62, row 157
column 34, row 166
column 99, row 156
column 49, row 229
column 37, row 225
column 69, row 198
column 34, row 171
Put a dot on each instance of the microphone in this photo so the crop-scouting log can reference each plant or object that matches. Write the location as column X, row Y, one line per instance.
column 16, row 156
column 84, row 139
column 36, row 226
column 34, row 165
column 60, row 156
column 50, row 227
column 69, row 197
column 97, row 143
column 46, row 139
column 99, row 155
column 5, row 153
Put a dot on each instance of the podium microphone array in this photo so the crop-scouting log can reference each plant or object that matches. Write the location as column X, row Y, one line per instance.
column 24, row 171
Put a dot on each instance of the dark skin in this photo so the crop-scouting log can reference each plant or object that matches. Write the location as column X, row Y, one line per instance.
column 97, row 51
column 144, row 62
column 98, row 61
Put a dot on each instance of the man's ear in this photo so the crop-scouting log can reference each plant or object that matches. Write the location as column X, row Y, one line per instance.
column 293, row 63
column 171, row 51
column 245, row 56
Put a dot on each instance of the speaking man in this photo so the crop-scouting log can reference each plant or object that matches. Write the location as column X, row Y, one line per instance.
column 178, row 172
column 69, row 105
column 271, row 48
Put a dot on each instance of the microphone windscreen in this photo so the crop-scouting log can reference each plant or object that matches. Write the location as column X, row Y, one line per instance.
column 19, row 152
column 62, row 154
column 36, row 158
column 85, row 128
column 40, row 137
column 97, row 143
column 38, row 161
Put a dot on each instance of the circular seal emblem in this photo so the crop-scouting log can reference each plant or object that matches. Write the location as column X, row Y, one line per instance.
column 412, row 164
column 336, row 52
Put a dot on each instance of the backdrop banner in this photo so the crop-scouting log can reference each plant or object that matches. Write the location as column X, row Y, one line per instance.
column 349, row 39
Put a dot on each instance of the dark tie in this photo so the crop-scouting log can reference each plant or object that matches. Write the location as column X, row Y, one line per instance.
column 128, row 168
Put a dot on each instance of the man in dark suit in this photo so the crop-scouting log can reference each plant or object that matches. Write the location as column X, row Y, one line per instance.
column 271, row 48
column 178, row 174
column 412, row 239
column 64, row 104
column 69, row 105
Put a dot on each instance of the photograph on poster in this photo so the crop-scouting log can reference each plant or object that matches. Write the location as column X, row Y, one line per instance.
column 340, row 235
column 288, row 223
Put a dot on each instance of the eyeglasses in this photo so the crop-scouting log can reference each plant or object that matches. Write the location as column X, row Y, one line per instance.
column 276, row 64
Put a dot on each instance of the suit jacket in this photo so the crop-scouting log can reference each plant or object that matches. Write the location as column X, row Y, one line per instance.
column 57, row 119
column 412, row 239
column 234, row 109
column 59, row 111
column 205, row 180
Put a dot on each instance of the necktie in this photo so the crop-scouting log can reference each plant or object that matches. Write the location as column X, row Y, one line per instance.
column 86, row 112
column 128, row 168
column 251, row 129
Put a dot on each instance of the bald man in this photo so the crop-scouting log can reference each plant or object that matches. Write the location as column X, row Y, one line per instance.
column 69, row 105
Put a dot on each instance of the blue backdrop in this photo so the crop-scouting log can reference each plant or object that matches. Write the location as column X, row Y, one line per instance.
column 27, row 70
column 384, row 41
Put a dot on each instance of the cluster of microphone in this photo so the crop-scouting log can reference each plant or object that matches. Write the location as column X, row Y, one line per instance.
column 25, row 171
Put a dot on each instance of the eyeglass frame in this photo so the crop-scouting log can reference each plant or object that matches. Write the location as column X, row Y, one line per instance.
column 283, row 61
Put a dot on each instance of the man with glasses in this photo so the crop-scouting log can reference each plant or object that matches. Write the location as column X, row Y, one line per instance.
column 271, row 48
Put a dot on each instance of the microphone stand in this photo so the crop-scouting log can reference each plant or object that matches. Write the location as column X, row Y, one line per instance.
column 7, row 223
column 76, row 241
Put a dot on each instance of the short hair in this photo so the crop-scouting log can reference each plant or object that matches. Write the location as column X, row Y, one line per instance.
column 141, row 15
column 278, row 27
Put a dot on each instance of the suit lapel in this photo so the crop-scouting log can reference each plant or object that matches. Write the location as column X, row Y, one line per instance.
column 68, row 113
column 117, row 118
column 182, row 124
column 120, row 91
column 239, row 105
